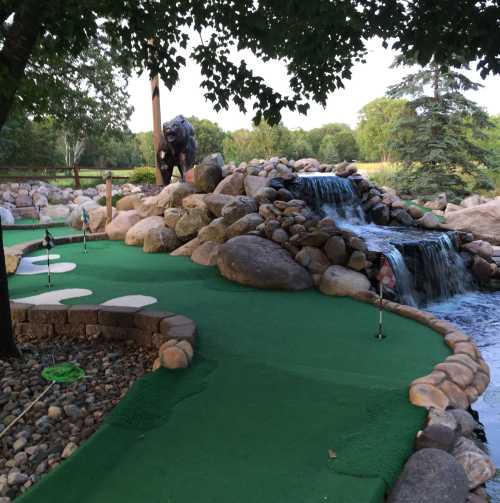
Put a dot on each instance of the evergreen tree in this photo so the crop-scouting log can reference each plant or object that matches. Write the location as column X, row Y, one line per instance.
column 443, row 129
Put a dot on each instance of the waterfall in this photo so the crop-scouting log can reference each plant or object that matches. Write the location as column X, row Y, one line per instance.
column 332, row 195
column 426, row 263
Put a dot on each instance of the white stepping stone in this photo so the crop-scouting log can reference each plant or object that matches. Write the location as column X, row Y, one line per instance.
column 131, row 301
column 29, row 266
column 55, row 297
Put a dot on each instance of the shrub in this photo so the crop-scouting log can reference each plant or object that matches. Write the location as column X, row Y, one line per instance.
column 114, row 200
column 143, row 174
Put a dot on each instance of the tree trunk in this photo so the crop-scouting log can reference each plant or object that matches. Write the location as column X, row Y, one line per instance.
column 7, row 342
column 19, row 42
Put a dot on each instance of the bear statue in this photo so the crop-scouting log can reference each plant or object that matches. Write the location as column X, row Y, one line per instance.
column 177, row 148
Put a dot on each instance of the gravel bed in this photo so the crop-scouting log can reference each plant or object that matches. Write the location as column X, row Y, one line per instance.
column 69, row 413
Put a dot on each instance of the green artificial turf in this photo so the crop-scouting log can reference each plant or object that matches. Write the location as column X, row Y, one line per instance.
column 279, row 378
column 14, row 237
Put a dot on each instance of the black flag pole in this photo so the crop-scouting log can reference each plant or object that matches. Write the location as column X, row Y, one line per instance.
column 48, row 243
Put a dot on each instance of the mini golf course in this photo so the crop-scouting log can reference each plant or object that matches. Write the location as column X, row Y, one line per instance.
column 15, row 237
column 278, row 380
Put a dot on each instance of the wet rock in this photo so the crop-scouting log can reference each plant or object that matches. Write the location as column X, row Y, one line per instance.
column 380, row 214
column 336, row 251
column 477, row 464
column 357, row 261
column 431, row 476
column 436, row 436
column 465, row 421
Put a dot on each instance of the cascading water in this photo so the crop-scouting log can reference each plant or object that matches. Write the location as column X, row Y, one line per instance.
column 426, row 264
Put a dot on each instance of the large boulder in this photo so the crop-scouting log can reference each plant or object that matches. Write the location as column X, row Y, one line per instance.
column 477, row 464
column 338, row 280
column 160, row 239
column 172, row 216
column 190, row 223
column 135, row 235
column 253, row 184
column 128, row 202
column 473, row 200
column 7, row 217
column 119, row 226
column 215, row 202
column 172, row 195
column 313, row 259
column 430, row 476
column 483, row 221
column 231, row 185
column 148, row 207
column 208, row 173
column 336, row 251
column 56, row 211
column 238, row 208
column 214, row 231
column 97, row 218
column 429, row 221
column 245, row 224
column 187, row 249
column 258, row 262
column 207, row 253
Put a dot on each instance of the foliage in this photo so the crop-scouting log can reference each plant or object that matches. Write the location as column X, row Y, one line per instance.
column 491, row 142
column 146, row 147
column 343, row 138
column 439, row 144
column 209, row 137
column 377, row 128
column 319, row 41
column 328, row 149
column 114, row 199
column 143, row 175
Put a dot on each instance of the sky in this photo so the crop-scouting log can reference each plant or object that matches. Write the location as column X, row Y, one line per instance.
column 369, row 81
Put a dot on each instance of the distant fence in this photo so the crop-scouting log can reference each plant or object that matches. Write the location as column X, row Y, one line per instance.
column 18, row 173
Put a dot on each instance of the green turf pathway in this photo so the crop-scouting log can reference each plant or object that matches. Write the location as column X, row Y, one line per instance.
column 14, row 237
column 279, row 379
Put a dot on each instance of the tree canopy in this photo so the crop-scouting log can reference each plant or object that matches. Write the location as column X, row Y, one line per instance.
column 377, row 128
column 318, row 40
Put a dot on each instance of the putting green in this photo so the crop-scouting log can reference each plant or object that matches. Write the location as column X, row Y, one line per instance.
column 14, row 237
column 279, row 379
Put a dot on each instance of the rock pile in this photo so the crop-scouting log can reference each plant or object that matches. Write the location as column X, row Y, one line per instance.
column 40, row 200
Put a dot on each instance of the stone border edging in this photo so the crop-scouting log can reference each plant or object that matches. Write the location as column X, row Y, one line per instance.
column 22, row 227
column 455, row 383
column 14, row 253
column 460, row 379
column 173, row 335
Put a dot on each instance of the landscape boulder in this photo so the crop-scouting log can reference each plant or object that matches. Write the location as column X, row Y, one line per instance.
column 483, row 221
column 97, row 218
column 338, row 280
column 431, row 476
column 172, row 195
column 119, row 226
column 160, row 239
column 231, row 185
column 258, row 262
column 238, row 208
column 477, row 464
column 128, row 202
column 313, row 259
column 7, row 216
column 206, row 253
column 214, row 231
column 245, row 224
column 215, row 202
column 190, row 223
column 429, row 221
column 253, row 184
column 208, row 173
column 135, row 235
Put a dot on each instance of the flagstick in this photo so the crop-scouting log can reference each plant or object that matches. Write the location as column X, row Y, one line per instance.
column 48, row 266
column 85, row 238
column 380, row 334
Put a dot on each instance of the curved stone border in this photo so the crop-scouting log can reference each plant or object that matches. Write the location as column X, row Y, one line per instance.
column 172, row 334
column 14, row 254
column 460, row 379
column 455, row 383
column 24, row 227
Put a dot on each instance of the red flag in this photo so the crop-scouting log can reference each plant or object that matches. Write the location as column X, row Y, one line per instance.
column 386, row 275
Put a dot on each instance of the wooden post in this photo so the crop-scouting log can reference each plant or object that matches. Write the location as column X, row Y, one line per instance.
column 76, row 174
column 7, row 342
column 155, row 100
column 109, row 196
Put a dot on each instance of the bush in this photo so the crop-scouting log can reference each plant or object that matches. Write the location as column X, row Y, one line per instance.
column 114, row 200
column 143, row 175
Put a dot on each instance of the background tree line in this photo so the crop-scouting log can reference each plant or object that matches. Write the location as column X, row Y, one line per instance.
column 28, row 142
